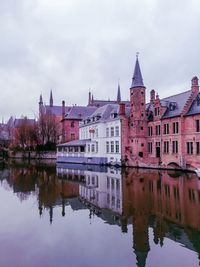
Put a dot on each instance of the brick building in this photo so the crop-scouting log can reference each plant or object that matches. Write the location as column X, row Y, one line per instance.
column 164, row 132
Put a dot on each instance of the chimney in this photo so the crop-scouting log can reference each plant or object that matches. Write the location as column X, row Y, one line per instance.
column 63, row 110
column 152, row 95
column 122, row 109
column 195, row 85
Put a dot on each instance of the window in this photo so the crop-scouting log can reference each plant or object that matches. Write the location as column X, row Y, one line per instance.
column 89, row 148
column 112, row 131
column 82, row 149
column 190, row 148
column 96, row 131
column 157, row 129
column 92, row 147
column 107, row 147
column 150, row 148
column 175, row 128
column 175, row 147
column 166, row 147
column 72, row 136
column 166, row 128
column 198, row 126
column 117, row 131
column 116, row 146
column 150, row 131
column 76, row 149
column 157, row 111
column 107, row 132
column 198, row 148
column 112, row 146
column 70, row 149
column 72, row 124
column 97, row 147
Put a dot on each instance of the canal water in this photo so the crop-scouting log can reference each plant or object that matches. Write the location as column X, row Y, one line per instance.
column 81, row 216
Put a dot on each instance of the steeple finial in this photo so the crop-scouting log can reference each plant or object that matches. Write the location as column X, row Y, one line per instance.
column 137, row 80
column 51, row 99
column 118, row 94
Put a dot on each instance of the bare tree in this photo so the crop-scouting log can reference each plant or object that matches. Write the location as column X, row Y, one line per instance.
column 49, row 128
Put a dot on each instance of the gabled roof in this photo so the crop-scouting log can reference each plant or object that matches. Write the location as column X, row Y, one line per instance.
column 56, row 110
column 195, row 107
column 179, row 101
column 105, row 112
column 79, row 112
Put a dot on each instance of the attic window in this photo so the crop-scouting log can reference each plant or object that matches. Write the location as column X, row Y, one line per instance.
column 172, row 106
column 98, row 117
column 114, row 115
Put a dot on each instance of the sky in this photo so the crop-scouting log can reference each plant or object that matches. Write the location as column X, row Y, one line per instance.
column 70, row 46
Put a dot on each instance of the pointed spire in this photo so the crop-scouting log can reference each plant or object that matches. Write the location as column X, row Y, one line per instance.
column 137, row 80
column 51, row 99
column 118, row 94
column 89, row 98
column 41, row 100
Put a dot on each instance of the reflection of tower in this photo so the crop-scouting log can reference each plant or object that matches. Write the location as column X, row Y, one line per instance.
column 51, row 214
column 63, row 199
column 141, row 238
column 159, row 231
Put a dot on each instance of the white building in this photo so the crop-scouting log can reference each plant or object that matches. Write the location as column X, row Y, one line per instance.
column 100, row 139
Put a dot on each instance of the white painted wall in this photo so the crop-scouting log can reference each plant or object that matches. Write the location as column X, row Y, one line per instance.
column 97, row 133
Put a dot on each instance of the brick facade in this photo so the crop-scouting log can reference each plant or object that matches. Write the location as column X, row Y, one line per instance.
column 163, row 133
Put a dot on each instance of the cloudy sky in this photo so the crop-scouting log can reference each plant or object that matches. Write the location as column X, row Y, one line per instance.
column 70, row 46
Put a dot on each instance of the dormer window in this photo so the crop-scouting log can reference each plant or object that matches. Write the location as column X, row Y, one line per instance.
column 98, row 117
column 172, row 106
column 114, row 115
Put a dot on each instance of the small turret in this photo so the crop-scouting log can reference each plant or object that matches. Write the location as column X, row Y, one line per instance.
column 41, row 100
column 152, row 95
column 89, row 98
column 118, row 94
column 51, row 99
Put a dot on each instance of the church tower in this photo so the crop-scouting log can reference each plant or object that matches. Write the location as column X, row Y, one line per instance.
column 138, row 120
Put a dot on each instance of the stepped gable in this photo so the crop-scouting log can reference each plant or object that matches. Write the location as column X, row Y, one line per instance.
column 195, row 107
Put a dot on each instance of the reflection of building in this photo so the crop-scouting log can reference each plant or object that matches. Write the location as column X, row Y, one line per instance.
column 166, row 202
column 103, row 190
column 158, row 200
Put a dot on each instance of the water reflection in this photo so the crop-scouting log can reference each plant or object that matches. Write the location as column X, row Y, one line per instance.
column 165, row 202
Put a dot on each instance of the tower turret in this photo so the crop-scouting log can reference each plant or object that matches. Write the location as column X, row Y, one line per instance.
column 138, row 121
